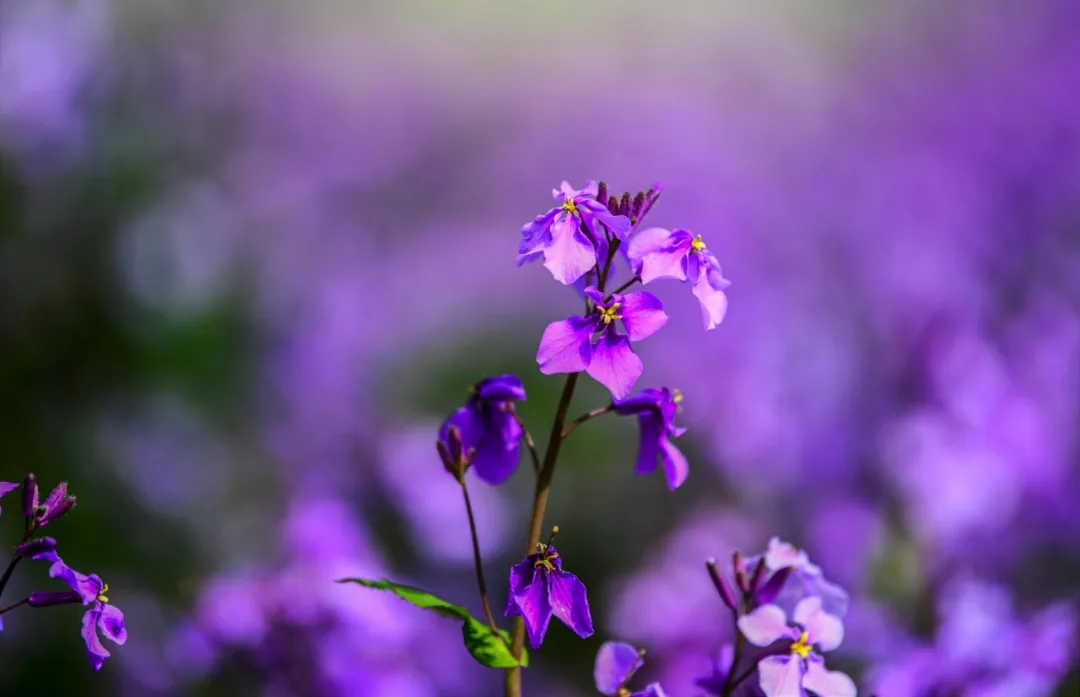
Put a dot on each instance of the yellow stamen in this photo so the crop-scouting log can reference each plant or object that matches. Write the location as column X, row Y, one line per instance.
column 101, row 596
column 570, row 207
column 676, row 396
column 545, row 560
column 697, row 244
column 801, row 648
column 610, row 314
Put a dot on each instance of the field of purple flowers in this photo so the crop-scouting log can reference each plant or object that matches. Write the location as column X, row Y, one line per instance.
column 257, row 259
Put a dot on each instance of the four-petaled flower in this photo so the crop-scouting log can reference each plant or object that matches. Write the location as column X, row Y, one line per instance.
column 540, row 588
column 656, row 410
column 800, row 668
column 108, row 618
column 658, row 253
column 616, row 663
column 569, row 236
column 594, row 343
column 487, row 424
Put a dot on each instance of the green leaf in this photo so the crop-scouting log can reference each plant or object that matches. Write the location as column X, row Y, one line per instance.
column 481, row 644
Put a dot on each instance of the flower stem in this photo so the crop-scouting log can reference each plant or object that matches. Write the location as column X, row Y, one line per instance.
column 730, row 683
column 529, row 442
column 11, row 607
column 14, row 562
column 585, row 417
column 479, row 563
column 540, row 499
column 626, row 285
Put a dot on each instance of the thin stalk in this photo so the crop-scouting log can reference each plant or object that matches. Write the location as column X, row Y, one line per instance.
column 11, row 607
column 529, row 442
column 479, row 563
column 14, row 562
column 626, row 285
column 585, row 417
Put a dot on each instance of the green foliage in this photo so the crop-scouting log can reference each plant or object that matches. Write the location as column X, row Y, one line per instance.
column 482, row 645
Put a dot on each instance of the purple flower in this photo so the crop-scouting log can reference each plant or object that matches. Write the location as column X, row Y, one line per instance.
column 656, row 409
column 801, row 668
column 594, row 343
column 41, row 548
column 616, row 663
column 568, row 235
column 805, row 580
column 101, row 616
column 49, row 598
column 487, row 425
column 56, row 504
column 539, row 588
column 7, row 487
column 658, row 253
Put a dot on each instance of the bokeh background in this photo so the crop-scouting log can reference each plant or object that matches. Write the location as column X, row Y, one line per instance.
column 251, row 254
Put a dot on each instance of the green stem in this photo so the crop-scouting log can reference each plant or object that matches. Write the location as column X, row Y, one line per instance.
column 585, row 417
column 479, row 563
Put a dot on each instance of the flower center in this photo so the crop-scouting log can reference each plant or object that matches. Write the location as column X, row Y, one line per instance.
column 676, row 396
column 101, row 596
column 569, row 206
column 801, row 648
column 697, row 244
column 546, row 555
column 610, row 314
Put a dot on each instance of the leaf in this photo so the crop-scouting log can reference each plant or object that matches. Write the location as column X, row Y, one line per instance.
column 479, row 641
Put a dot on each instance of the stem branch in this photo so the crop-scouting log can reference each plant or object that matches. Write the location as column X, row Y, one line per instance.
column 479, row 564
column 529, row 442
column 11, row 607
column 585, row 417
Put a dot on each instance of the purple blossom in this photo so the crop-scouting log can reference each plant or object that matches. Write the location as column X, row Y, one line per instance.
column 616, row 663
column 539, row 588
column 100, row 616
column 487, row 424
column 57, row 503
column 594, row 343
column 657, row 253
column 805, row 580
column 7, row 487
column 568, row 235
column 801, row 668
column 656, row 410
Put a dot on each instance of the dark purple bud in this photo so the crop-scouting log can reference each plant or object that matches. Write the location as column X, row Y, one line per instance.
column 651, row 197
column 759, row 573
column 613, row 205
column 47, row 598
column 55, row 506
column 452, row 453
column 624, row 204
column 638, row 206
column 774, row 585
column 601, row 192
column 740, row 572
column 29, row 495
column 722, row 586
column 33, row 548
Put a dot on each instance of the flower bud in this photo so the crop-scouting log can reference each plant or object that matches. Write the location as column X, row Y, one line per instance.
column 29, row 495
column 601, row 193
column 43, row 546
column 452, row 453
column 722, row 586
column 774, row 585
column 740, row 572
column 47, row 598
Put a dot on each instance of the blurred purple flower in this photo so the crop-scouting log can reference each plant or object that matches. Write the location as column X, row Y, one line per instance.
column 805, row 581
column 787, row 675
column 568, row 235
column 616, row 662
column 540, row 588
column 657, row 253
column 7, row 487
column 656, row 410
column 488, row 425
column 568, row 346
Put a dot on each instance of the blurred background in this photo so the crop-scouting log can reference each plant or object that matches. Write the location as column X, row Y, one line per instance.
column 251, row 255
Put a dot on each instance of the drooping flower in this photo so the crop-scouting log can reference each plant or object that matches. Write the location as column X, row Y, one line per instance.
column 806, row 579
column 100, row 616
column 801, row 668
column 540, row 588
column 487, row 424
column 595, row 344
column 616, row 663
column 7, row 487
column 569, row 236
column 657, row 253
column 656, row 410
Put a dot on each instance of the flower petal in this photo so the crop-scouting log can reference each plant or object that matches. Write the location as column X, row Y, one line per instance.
column 569, row 254
column 643, row 315
column 535, row 609
column 713, row 302
column 676, row 468
column 781, row 676
column 521, row 575
column 652, row 432
column 95, row 651
column 111, row 624
column 568, row 602
column 658, row 253
column 613, row 364
column 651, row 690
column 825, row 682
column 647, row 400
column 86, row 586
column 764, row 625
column 616, row 661
column 565, row 346
column 821, row 628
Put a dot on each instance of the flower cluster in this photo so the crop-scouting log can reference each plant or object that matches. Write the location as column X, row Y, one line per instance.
column 85, row 590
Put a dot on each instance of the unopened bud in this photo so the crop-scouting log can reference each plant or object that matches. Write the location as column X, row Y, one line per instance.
column 774, row 585
column 740, row 572
column 722, row 586
column 601, row 192
column 29, row 495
